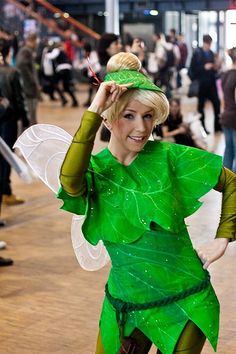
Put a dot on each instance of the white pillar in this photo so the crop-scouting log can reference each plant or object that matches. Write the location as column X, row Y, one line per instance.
column 112, row 21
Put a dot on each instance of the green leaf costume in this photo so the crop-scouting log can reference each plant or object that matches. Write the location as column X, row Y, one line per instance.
column 138, row 211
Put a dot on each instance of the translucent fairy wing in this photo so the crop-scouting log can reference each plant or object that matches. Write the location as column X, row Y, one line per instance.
column 98, row 256
column 44, row 147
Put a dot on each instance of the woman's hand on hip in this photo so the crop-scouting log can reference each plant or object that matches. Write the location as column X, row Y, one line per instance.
column 211, row 251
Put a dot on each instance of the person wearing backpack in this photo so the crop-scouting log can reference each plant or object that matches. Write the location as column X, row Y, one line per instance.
column 203, row 69
column 168, row 56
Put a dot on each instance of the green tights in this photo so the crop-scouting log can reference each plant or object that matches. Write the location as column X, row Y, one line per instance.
column 191, row 341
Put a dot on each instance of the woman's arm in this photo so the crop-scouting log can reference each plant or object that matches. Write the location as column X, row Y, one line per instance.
column 227, row 185
column 227, row 227
column 78, row 155
column 77, row 158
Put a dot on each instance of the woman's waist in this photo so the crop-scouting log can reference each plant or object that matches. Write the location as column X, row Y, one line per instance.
column 155, row 246
column 147, row 290
column 151, row 282
column 170, row 256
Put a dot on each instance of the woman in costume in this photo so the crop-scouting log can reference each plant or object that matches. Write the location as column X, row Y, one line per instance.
column 135, row 195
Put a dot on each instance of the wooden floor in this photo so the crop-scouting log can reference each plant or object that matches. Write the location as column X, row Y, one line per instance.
column 48, row 304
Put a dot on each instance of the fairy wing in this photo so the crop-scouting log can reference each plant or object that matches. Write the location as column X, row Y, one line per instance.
column 44, row 147
column 89, row 257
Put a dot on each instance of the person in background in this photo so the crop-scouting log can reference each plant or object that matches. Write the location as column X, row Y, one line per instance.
column 4, row 104
column 90, row 58
column 12, row 90
column 49, row 80
column 228, row 117
column 25, row 63
column 69, row 48
column 168, row 56
column 138, row 48
column 203, row 68
column 183, row 49
column 172, row 35
column 127, row 40
column 63, row 71
column 15, row 47
column 108, row 45
column 174, row 126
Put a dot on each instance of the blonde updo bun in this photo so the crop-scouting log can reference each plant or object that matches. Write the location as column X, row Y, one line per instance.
column 123, row 61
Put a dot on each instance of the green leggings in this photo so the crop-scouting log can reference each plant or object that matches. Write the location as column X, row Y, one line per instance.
column 191, row 341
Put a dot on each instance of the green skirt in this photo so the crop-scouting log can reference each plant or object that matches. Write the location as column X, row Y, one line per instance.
column 158, row 265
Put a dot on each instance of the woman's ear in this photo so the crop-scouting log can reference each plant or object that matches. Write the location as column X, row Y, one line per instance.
column 107, row 124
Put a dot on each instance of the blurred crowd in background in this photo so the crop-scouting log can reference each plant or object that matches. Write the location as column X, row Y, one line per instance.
column 52, row 69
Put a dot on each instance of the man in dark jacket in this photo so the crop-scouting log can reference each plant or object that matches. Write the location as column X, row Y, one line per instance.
column 11, row 88
column 25, row 63
column 203, row 69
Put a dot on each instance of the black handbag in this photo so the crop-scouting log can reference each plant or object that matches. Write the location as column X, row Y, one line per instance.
column 193, row 90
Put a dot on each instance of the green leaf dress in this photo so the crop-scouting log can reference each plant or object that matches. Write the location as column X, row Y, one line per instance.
column 138, row 211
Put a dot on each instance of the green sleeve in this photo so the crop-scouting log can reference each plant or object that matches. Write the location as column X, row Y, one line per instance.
column 227, row 185
column 78, row 155
column 74, row 177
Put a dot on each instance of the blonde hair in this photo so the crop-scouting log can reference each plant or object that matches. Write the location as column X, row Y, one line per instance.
column 153, row 99
column 123, row 61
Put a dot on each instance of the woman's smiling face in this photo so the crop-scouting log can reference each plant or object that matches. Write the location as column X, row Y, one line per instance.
column 130, row 132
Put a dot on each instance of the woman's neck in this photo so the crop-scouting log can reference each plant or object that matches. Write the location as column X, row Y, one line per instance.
column 123, row 156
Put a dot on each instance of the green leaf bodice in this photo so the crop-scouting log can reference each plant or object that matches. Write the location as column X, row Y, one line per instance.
column 162, row 185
